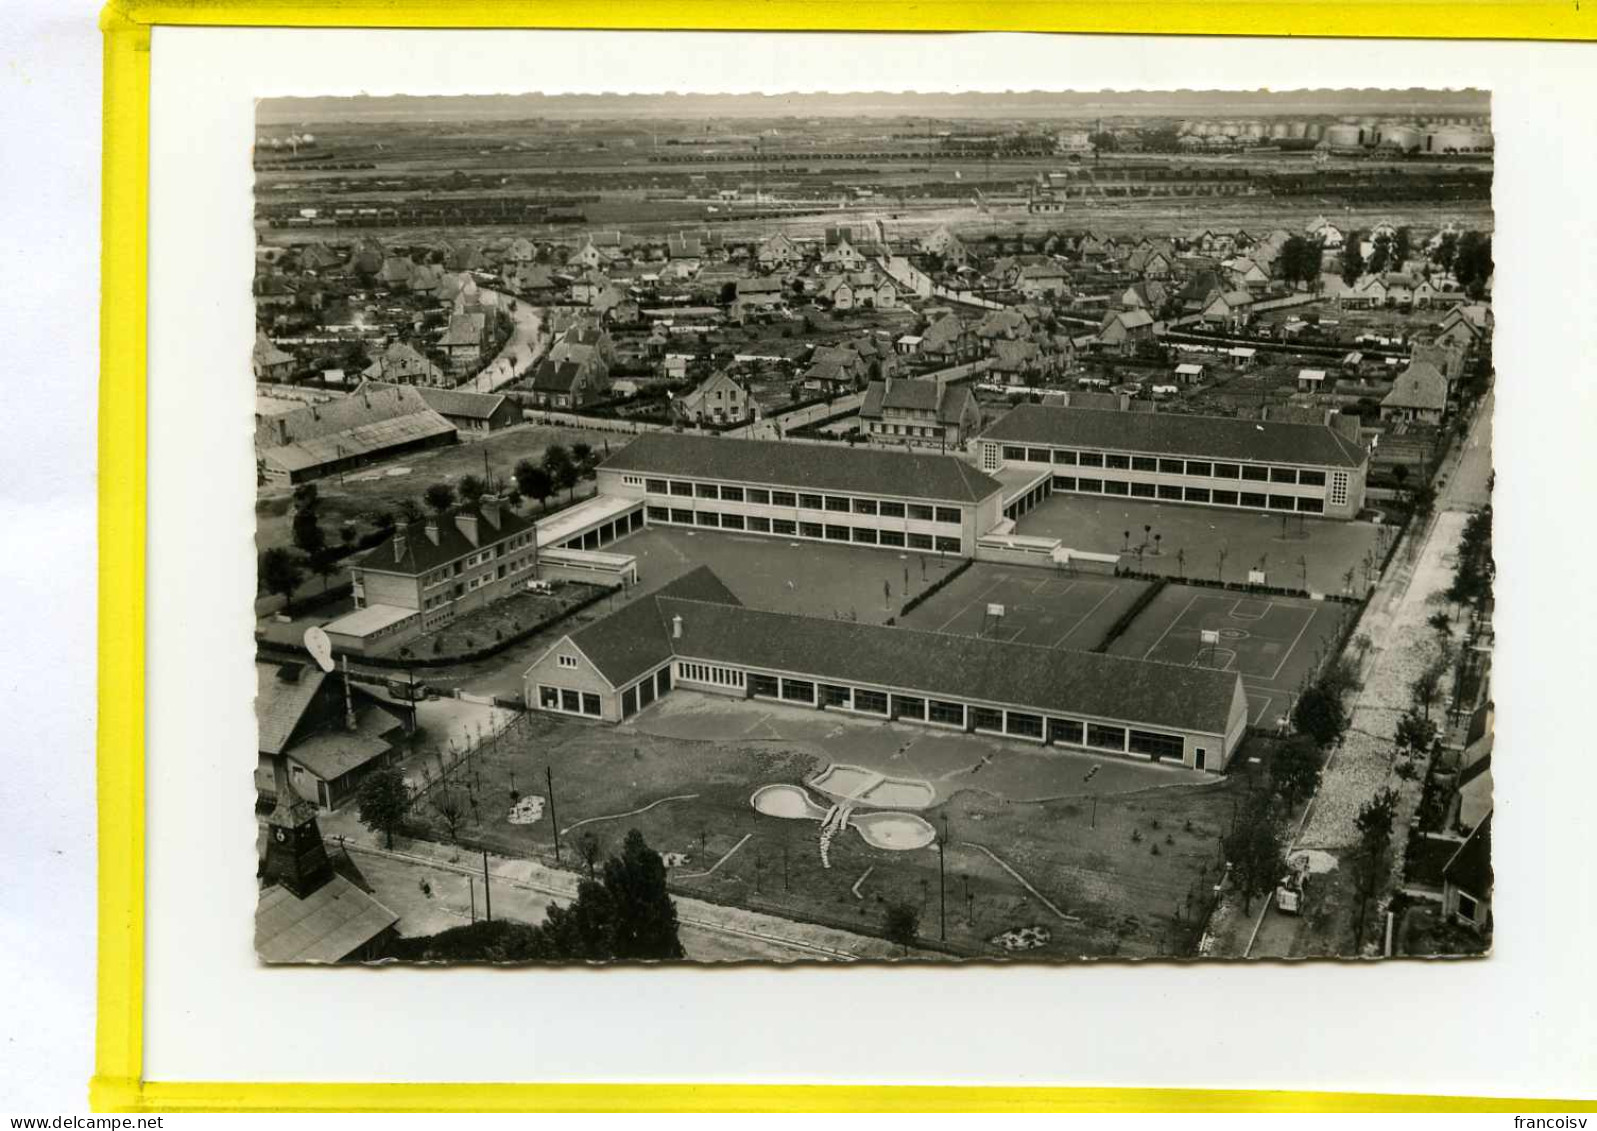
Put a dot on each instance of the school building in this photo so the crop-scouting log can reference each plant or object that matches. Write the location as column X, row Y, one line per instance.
column 693, row 633
column 823, row 492
column 1310, row 469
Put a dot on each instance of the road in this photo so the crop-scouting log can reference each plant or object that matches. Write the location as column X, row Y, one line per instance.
column 774, row 427
column 521, row 350
column 1396, row 621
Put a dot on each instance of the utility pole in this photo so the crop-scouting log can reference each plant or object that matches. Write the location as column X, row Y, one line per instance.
column 471, row 885
column 942, row 884
column 487, row 895
column 549, row 776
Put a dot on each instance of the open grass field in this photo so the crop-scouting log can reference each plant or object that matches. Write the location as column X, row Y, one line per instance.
column 787, row 575
column 1275, row 642
column 1041, row 606
column 1192, row 539
column 1112, row 860
column 359, row 495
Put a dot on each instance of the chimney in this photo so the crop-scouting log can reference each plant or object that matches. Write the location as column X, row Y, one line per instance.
column 432, row 531
column 467, row 525
column 401, row 542
column 676, row 628
column 490, row 510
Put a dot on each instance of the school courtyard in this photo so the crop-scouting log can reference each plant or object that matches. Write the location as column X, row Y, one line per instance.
column 1044, row 852
column 1028, row 605
column 1178, row 540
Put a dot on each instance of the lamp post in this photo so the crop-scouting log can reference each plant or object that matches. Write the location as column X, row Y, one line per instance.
column 942, row 884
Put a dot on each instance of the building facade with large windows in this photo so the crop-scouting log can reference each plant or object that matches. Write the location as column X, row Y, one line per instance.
column 694, row 634
column 823, row 492
column 1309, row 469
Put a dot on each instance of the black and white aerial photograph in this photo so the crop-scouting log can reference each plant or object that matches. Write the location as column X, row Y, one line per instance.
column 827, row 528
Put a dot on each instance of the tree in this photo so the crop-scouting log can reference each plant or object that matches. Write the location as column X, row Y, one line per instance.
column 309, row 536
column 383, row 800
column 1295, row 770
column 902, row 924
column 1473, row 265
column 582, row 454
column 1400, row 473
column 307, row 497
column 324, row 565
column 1319, row 714
column 645, row 917
column 1423, row 500
column 1441, row 624
column 440, row 497
column 1352, row 259
column 1380, row 254
column 451, row 803
column 383, row 520
column 1446, row 251
column 1374, row 823
column 471, row 489
column 1415, row 733
column 534, row 482
column 561, row 468
column 588, row 849
column 410, row 510
column 1254, row 850
column 1428, row 684
column 280, row 573
column 1402, row 247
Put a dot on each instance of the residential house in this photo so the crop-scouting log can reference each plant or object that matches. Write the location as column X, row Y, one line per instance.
column 1149, row 295
column 1249, row 275
column 1122, row 329
column 1232, row 310
column 909, row 278
column 946, row 246
column 570, row 384
column 761, row 292
column 907, row 411
column 842, row 256
column 778, row 252
column 1189, row 373
column 269, row 362
column 1418, row 394
column 837, row 291
column 948, row 339
column 1038, row 279
column 1467, row 880
column 717, row 400
column 401, row 364
column 464, row 339
column 1017, row 363
column 1002, row 324
column 588, row 286
column 1330, row 236
column 301, row 715
column 587, row 257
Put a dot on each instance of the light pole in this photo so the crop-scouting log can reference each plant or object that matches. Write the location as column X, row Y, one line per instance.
column 942, row 884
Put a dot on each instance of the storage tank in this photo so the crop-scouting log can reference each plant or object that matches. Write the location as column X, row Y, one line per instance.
column 1313, row 131
column 1280, row 131
column 1253, row 130
column 1344, row 137
column 1297, row 130
column 1402, row 137
column 1454, row 139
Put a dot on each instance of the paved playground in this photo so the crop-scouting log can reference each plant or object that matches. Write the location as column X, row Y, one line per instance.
column 1275, row 642
column 1040, row 606
column 1295, row 552
column 787, row 575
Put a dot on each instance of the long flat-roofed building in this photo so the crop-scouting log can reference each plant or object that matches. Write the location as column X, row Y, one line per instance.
column 825, row 492
column 1311, row 469
column 694, row 634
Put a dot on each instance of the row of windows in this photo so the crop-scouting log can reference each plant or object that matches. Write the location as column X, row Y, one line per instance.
column 838, row 504
column 1202, row 469
column 1022, row 724
column 569, row 701
column 1254, row 500
column 710, row 673
column 788, row 528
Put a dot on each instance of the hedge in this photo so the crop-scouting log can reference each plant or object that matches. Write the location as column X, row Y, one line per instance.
column 915, row 601
column 1144, row 599
column 1236, row 586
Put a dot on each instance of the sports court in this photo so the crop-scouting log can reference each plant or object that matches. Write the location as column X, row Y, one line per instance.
column 1040, row 606
column 1212, row 543
column 787, row 575
column 1276, row 643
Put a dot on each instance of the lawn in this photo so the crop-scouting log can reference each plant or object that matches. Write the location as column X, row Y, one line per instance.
column 1106, row 871
column 482, row 627
column 1191, row 540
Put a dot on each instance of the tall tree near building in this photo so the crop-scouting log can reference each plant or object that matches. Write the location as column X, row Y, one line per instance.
column 1254, row 849
column 561, row 468
column 534, row 482
column 280, row 573
column 1374, row 823
column 1402, row 247
column 902, row 924
column 382, row 801
column 582, row 454
column 309, row 536
column 471, row 489
column 440, row 497
column 1295, row 770
column 1352, row 258
column 1319, row 714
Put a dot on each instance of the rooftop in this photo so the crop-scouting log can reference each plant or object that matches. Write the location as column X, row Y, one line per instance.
column 328, row 925
column 814, row 466
column 1211, row 437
